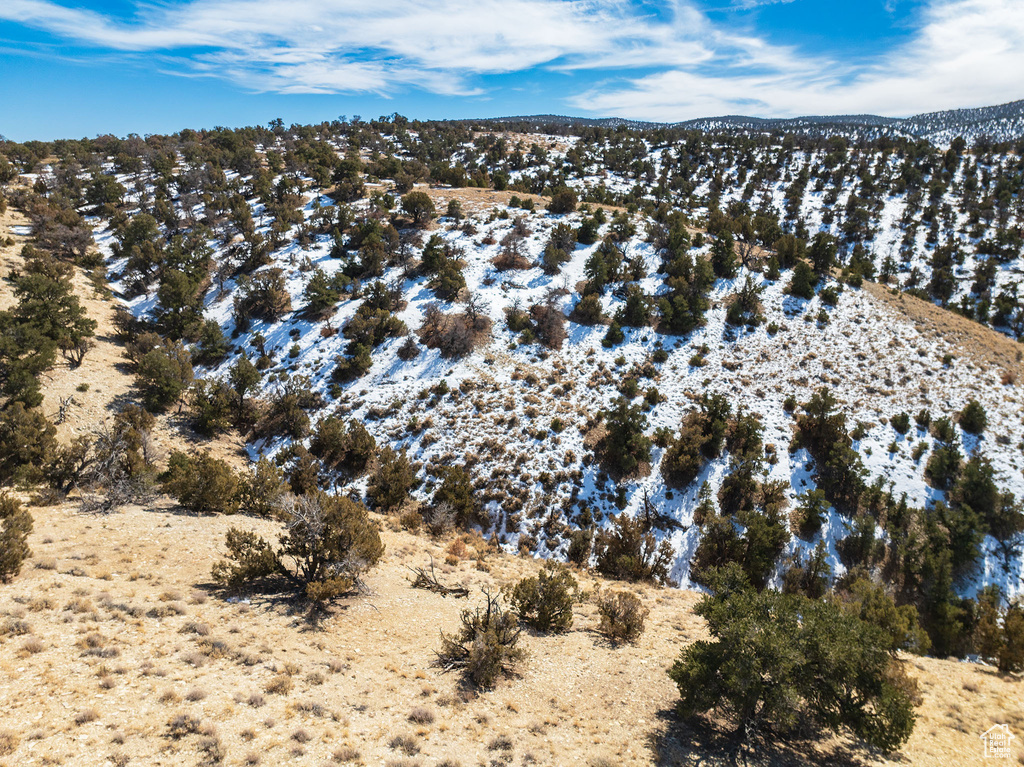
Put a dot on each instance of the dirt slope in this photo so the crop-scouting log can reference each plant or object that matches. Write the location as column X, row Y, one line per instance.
column 121, row 625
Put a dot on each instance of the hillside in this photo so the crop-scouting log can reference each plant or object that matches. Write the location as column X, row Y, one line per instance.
column 1004, row 122
column 797, row 355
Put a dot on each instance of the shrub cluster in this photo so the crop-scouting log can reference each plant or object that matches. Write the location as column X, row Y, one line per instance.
column 777, row 662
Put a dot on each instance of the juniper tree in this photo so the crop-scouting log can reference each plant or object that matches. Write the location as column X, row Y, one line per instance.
column 723, row 256
column 625, row 445
column 202, row 483
column 328, row 543
column 419, row 207
column 15, row 527
column 544, row 602
column 778, row 661
column 164, row 374
column 392, row 481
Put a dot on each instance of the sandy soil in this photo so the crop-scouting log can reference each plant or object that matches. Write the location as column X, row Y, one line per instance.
column 113, row 631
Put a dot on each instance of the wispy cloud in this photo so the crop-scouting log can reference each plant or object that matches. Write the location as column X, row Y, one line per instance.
column 964, row 52
column 746, row 5
column 352, row 45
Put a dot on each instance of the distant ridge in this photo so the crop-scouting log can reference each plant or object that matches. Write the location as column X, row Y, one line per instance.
column 1003, row 122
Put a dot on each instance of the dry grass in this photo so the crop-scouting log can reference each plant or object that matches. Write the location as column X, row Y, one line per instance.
column 973, row 340
column 345, row 754
column 8, row 743
column 421, row 715
column 281, row 684
column 85, row 716
column 357, row 684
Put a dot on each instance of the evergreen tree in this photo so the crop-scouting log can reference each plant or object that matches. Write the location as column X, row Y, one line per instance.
column 776, row 661
column 15, row 527
column 625, row 445
column 822, row 253
column 164, row 374
column 419, row 207
column 723, row 256
column 803, row 282
column 392, row 481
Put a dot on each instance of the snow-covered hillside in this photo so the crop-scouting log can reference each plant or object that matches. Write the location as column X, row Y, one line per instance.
column 521, row 416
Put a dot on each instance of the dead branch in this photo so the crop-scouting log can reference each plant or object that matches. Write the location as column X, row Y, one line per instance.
column 430, row 582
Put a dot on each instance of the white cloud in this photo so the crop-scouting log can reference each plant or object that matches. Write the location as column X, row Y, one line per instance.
column 964, row 52
column 338, row 45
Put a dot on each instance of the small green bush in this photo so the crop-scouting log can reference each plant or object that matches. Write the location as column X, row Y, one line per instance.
column 901, row 423
column 14, row 531
column 261, row 489
column 544, row 602
column 202, row 483
column 973, row 418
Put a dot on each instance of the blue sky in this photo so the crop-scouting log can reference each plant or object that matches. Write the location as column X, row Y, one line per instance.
column 121, row 66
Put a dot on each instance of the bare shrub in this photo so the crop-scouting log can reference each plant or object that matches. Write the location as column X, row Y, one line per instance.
column 409, row 744
column 345, row 754
column 454, row 335
column 500, row 743
column 212, row 749
column 549, row 324
column 8, row 743
column 409, row 350
column 86, row 716
column 439, row 518
column 622, row 615
column 183, row 725
column 421, row 715
column 486, row 646
column 314, row 708
column 169, row 696
column 195, row 627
